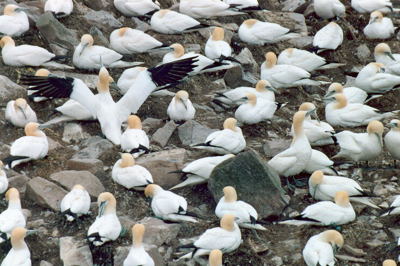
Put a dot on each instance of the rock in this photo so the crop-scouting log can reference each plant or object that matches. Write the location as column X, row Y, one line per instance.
column 45, row 263
column 88, row 79
column 102, row 19
column 301, row 42
column 246, row 59
column 234, row 77
column 97, row 4
column 19, row 182
column 349, row 258
column 99, row 36
column 253, row 179
column 158, row 232
column 354, row 251
column 95, row 147
column 192, row 132
column 151, row 124
column 363, row 53
column 257, row 246
column 141, row 25
column 161, row 163
column 162, row 135
column 53, row 145
column 192, row 47
column 91, row 165
column 275, row 146
column 10, row 90
column 75, row 252
column 45, row 193
column 293, row 21
column 55, row 32
column 291, row 5
column 70, row 178
column 277, row 261
column 73, row 133
column 375, row 243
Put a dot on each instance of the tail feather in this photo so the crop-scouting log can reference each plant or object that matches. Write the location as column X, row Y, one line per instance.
column 365, row 201
column 200, row 26
column 8, row 160
column 387, row 211
column 330, row 66
column 215, row 65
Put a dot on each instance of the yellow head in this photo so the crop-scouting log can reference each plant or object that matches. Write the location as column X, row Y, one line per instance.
column 127, row 160
column 20, row 103
column 270, row 59
column 218, row 34
column 17, row 237
column 317, row 177
column 335, row 87
column 6, row 40
column 250, row 22
column 12, row 194
column 215, row 258
column 105, row 79
column 389, row 263
column 134, row 122
column 230, row 123
column 307, row 106
column 261, row 85
column 137, row 234
column 228, row 222
column 121, row 31
column 341, row 101
column 9, row 10
column 334, row 238
column 298, row 120
column 87, row 40
column 375, row 127
column 151, row 189
column 107, row 203
column 342, row 198
column 376, row 16
column 230, row 194
column 42, row 73
column 163, row 12
column 382, row 48
column 182, row 95
column 78, row 186
column 178, row 50
column 32, row 129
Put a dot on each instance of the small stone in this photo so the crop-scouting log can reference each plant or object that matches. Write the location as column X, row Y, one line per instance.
column 354, row 251
column 158, row 232
column 27, row 213
column 151, row 124
column 246, row 59
column 192, row 132
column 257, row 247
column 375, row 243
column 10, row 90
column 73, row 133
column 277, row 261
column 45, row 263
column 95, row 147
column 45, row 193
column 292, row 5
column 19, row 182
column 53, row 145
column 275, row 146
column 233, row 77
column 301, row 42
column 349, row 258
column 192, row 47
column 97, row 4
column 99, row 37
column 162, row 135
column 102, row 19
column 91, row 165
column 363, row 53
column 75, row 252
column 140, row 25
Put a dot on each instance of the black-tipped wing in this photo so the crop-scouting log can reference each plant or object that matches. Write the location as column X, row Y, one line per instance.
column 51, row 86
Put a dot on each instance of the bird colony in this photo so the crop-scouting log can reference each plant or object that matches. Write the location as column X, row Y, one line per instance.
column 120, row 121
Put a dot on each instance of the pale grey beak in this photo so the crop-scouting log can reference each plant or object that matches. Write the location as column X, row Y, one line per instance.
column 390, row 55
column 102, row 208
column 114, row 86
column 31, row 232
column 23, row 112
column 43, row 126
column 83, row 48
column 272, row 89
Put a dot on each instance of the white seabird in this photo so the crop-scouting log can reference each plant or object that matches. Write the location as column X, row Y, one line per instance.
column 379, row 27
column 389, row 263
column 39, row 73
column 383, row 54
column 12, row 217
column 130, row 175
column 245, row 214
column 244, row 5
column 352, row 94
column 206, row 8
column 181, row 109
column 228, row 140
column 329, row 37
column 137, row 255
column 19, row 254
column 394, row 207
column 107, row 226
column 60, row 8
column 198, row 171
column 216, row 48
column 136, row 8
column 328, row 9
column 257, row 32
column 75, row 203
column 215, row 258
column 226, row 238
column 368, row 6
column 3, row 179
column 171, row 22
column 361, row 146
column 320, row 249
column 134, row 140
column 89, row 56
column 319, row 161
column 167, row 205
column 19, row 113
column 392, row 139
column 129, row 41
column 14, row 22
column 373, row 79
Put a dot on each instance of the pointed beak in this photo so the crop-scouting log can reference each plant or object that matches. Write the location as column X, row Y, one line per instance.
column 102, row 208
column 184, row 103
column 272, row 89
column 380, row 139
column 83, row 48
column 329, row 94
column 390, row 55
column 114, row 86
column 21, row 9
column 310, row 112
column 31, row 232
column 43, row 126
column 23, row 111
column 392, row 125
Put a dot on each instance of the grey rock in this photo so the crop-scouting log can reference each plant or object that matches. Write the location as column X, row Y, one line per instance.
column 91, row 165
column 70, row 178
column 10, row 90
column 151, row 124
column 301, row 42
column 234, row 77
column 363, row 53
column 246, row 59
column 162, row 135
column 141, row 25
column 161, row 163
column 158, row 232
column 53, row 145
column 19, row 182
column 75, row 252
column 99, row 36
column 193, row 47
column 277, row 261
column 97, row 4
column 375, row 243
column 95, row 148
column 73, row 132
column 349, row 258
column 253, row 179
column 291, row 5
column 102, row 19
column 275, row 146
column 354, row 251
column 192, row 132
column 55, row 32
column 45, row 193
column 294, row 21
column 45, row 263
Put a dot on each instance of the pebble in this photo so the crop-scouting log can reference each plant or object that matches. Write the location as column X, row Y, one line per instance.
column 45, row 193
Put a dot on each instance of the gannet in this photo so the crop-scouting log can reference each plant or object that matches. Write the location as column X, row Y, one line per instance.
column 383, row 54
column 263, row 89
column 328, row 9
column 215, row 258
column 304, row 59
column 89, row 56
column 372, row 79
column 293, row 160
column 328, row 37
column 352, row 94
column 107, row 226
column 244, row 5
column 167, row 205
column 341, row 113
column 228, row 140
column 40, row 73
column 320, row 249
column 170, row 22
column 198, row 171
column 27, row 55
column 254, row 31
column 181, row 109
column 204, row 63
column 75, row 203
column 19, row 254
column 130, row 175
column 137, row 255
column 32, row 146
column 379, row 27
column 60, row 8
column 14, row 22
column 324, row 187
column 111, row 114
column 245, row 214
column 129, row 41
column 206, row 8
column 394, row 208
column 134, row 8
column 318, row 132
column 255, row 110
column 368, row 6
column 389, row 263
column 319, row 161
column 392, row 139
column 128, row 77
column 134, row 140
column 326, row 213
column 71, row 110
column 284, row 76
column 3, row 179
column 216, row 48
column 226, row 238
column 361, row 146
column 19, row 113
column 12, row 217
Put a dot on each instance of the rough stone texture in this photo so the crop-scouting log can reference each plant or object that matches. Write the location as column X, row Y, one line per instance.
column 234, row 77
column 19, row 182
column 363, row 53
column 98, row 36
column 294, row 21
column 158, row 232
column 45, row 263
column 9, row 90
column 122, row 252
column 291, row 5
column 70, row 178
column 95, row 147
column 97, row 4
column 275, row 146
column 192, row 132
column 75, row 252
column 253, row 179
column 102, row 19
column 163, row 134
column 301, row 42
column 161, row 163
column 45, row 193
column 73, row 132
column 53, row 145
column 151, row 124
column 246, row 59
column 91, row 165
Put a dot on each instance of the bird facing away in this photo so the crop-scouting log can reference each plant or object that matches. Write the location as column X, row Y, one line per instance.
column 329, row 37
column 206, row 8
column 137, row 254
column 75, row 203
column 19, row 254
column 171, row 22
column 3, row 179
column 215, row 258
column 134, row 140
column 60, row 8
column 12, row 217
column 130, row 41
column 14, row 22
column 136, row 8
column 392, row 139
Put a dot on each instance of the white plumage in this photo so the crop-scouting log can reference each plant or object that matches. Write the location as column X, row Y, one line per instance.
column 328, row 9
column 19, row 254
column 394, row 208
column 383, row 54
column 216, row 47
column 244, row 4
column 60, row 8
column 132, row 8
column 170, row 22
column 368, row 6
column 319, row 161
column 329, row 37
column 352, row 94
column 137, row 255
column 75, row 203
column 129, row 41
column 206, row 8
column 255, row 110
column 12, row 217
column 373, row 79
column 3, row 179
column 392, row 139
column 19, row 113
column 134, row 140
column 379, row 27
column 181, row 108
column 14, row 21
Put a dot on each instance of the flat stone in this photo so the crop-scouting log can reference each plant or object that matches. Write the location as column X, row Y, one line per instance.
column 70, row 178
column 246, row 59
column 161, row 163
column 192, row 132
column 253, row 179
column 75, row 252
column 157, row 232
column 375, row 243
column 349, row 258
column 91, row 165
column 141, row 25
column 53, row 145
column 291, row 5
column 45, row 193
column 275, row 146
column 363, row 53
column 73, row 132
column 151, row 124
column 354, row 251
column 99, row 37
column 97, row 4
column 95, row 147
column 233, row 77
column 10, row 90
column 102, row 19
column 301, row 42
column 162, row 135
column 19, row 182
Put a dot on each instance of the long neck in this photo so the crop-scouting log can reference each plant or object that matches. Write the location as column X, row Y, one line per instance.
column 14, row 204
column 18, row 244
column 137, row 241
